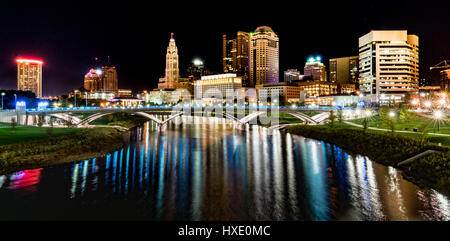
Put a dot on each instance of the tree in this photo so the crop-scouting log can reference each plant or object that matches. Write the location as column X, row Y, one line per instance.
column 406, row 116
column 332, row 119
column 423, row 130
column 365, row 124
column 41, row 120
column 340, row 115
column 13, row 123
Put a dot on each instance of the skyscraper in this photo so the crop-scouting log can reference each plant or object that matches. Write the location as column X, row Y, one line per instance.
column 345, row 70
column 236, row 55
column 388, row 64
column 109, row 79
column 93, row 81
column 264, row 57
column 172, row 67
column 29, row 75
column 315, row 69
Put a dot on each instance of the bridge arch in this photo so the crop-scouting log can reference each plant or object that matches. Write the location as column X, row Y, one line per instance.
column 143, row 114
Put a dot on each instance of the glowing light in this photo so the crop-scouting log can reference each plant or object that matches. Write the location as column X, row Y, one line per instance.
column 428, row 104
column 415, row 102
column 21, row 104
column 98, row 71
column 392, row 114
column 368, row 112
column 442, row 101
column 438, row 114
column 30, row 61
column 198, row 62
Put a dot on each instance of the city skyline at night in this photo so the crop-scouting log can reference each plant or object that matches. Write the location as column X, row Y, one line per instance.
column 56, row 37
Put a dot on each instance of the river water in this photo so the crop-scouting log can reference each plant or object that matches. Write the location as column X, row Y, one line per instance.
column 211, row 171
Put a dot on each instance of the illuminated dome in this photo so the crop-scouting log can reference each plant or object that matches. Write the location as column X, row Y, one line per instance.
column 263, row 29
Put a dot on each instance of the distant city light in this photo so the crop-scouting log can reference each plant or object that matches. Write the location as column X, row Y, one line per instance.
column 34, row 61
column 98, row 71
column 198, row 62
column 21, row 104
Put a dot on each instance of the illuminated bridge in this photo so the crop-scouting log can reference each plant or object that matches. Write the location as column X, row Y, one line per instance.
column 90, row 114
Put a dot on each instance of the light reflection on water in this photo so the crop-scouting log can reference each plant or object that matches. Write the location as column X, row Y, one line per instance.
column 213, row 172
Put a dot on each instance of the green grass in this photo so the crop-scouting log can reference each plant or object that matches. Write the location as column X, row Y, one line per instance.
column 443, row 140
column 29, row 133
column 417, row 122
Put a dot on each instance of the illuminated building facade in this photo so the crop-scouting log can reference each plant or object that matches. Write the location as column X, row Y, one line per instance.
column 123, row 93
column 264, row 57
column 286, row 92
column 236, row 55
column 345, row 70
column 222, row 83
column 29, row 75
column 292, row 75
column 445, row 79
column 319, row 88
column 93, row 81
column 315, row 69
column 109, row 78
column 388, row 65
column 172, row 67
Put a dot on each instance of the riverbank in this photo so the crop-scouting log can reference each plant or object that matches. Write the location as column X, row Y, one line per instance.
column 88, row 143
column 389, row 149
column 21, row 133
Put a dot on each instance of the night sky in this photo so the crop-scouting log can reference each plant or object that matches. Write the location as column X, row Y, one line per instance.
column 69, row 37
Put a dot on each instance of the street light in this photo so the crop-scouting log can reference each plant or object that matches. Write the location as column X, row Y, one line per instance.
column 15, row 100
column 438, row 115
column 392, row 114
column 428, row 104
column 3, row 94
column 75, row 99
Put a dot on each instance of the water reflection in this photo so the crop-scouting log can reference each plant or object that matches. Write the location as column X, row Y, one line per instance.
column 214, row 172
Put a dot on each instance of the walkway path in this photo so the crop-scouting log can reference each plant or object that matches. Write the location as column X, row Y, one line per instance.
column 430, row 116
column 379, row 129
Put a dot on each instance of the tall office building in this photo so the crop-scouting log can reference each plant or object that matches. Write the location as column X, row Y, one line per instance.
column 235, row 55
column 29, row 75
column 388, row 64
column 109, row 79
column 172, row 68
column 264, row 57
column 315, row 69
column 93, row 81
column 345, row 70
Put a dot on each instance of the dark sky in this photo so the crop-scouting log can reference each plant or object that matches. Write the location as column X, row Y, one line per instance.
column 68, row 37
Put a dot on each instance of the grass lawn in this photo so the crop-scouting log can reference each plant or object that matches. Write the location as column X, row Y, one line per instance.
column 416, row 122
column 444, row 140
column 30, row 133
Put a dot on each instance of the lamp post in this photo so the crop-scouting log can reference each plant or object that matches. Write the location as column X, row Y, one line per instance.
column 75, row 99
column 15, row 98
column 438, row 115
column 3, row 94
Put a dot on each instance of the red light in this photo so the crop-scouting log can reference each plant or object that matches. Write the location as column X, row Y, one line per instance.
column 32, row 61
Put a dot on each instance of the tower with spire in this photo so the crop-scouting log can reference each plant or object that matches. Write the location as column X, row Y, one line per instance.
column 172, row 69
